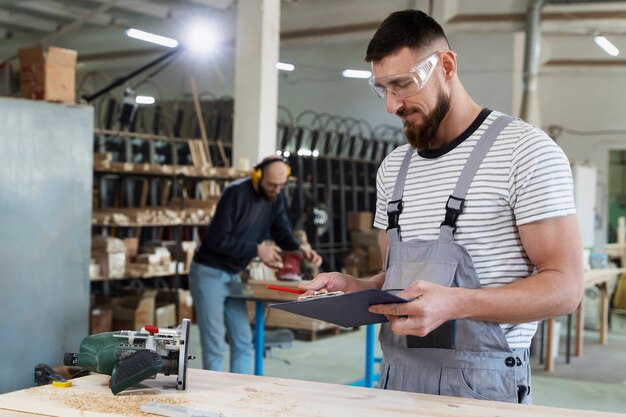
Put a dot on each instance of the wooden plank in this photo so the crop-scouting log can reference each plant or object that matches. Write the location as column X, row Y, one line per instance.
column 198, row 108
column 194, row 153
column 248, row 396
column 220, row 148
column 165, row 192
column 204, row 155
column 143, row 199
column 580, row 328
column 548, row 364
column 604, row 313
column 139, row 135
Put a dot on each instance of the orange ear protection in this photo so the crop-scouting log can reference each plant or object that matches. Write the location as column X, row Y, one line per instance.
column 257, row 171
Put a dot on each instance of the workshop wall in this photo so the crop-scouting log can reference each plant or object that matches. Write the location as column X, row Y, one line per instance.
column 45, row 207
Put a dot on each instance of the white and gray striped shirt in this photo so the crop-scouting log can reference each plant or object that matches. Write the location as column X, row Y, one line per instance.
column 525, row 177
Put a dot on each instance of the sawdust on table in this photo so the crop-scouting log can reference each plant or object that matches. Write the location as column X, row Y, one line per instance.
column 127, row 405
column 265, row 403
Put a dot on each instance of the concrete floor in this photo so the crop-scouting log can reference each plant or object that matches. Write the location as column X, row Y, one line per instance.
column 595, row 381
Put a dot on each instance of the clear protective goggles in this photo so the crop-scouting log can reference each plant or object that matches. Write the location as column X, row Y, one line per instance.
column 406, row 84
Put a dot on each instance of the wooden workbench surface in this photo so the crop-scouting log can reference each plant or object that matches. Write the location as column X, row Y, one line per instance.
column 243, row 395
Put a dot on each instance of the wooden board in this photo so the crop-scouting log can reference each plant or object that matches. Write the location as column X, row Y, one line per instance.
column 283, row 319
column 253, row 396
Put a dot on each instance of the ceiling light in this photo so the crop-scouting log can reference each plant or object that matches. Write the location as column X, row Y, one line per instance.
column 201, row 38
column 151, row 37
column 285, row 67
column 144, row 100
column 350, row 73
column 605, row 44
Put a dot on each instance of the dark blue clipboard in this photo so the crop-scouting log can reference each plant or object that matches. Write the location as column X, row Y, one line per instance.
column 347, row 310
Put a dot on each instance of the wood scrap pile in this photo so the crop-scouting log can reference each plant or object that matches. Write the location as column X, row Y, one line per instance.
column 101, row 163
column 135, row 216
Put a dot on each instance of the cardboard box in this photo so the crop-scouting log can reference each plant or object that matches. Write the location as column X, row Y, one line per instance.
column 107, row 244
column 48, row 75
column 185, row 306
column 364, row 239
column 360, row 220
column 101, row 319
column 351, row 270
column 165, row 315
column 112, row 265
column 131, row 247
column 94, row 270
column 181, row 299
column 374, row 259
column 183, row 253
column 133, row 310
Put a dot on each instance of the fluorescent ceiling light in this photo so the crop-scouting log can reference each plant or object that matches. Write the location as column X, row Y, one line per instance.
column 605, row 44
column 350, row 73
column 144, row 100
column 151, row 37
column 285, row 67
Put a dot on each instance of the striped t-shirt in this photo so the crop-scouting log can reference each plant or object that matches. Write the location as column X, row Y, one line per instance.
column 525, row 177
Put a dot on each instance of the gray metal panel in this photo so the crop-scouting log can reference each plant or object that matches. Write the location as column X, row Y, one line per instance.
column 46, row 164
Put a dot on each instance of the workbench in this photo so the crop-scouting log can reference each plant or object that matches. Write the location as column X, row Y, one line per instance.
column 594, row 277
column 254, row 396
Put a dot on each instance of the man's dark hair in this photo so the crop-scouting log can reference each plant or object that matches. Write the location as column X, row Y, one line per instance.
column 406, row 28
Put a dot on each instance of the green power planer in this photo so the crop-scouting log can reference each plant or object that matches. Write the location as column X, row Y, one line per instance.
column 133, row 356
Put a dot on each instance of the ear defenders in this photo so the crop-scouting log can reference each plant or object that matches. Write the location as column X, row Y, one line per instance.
column 257, row 171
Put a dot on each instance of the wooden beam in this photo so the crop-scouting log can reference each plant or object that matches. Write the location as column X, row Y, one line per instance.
column 27, row 21
column 128, row 53
column 585, row 63
column 462, row 18
column 55, row 8
column 147, row 8
column 521, row 17
column 330, row 30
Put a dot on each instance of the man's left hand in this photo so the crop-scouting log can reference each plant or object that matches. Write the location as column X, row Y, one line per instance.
column 431, row 306
column 311, row 256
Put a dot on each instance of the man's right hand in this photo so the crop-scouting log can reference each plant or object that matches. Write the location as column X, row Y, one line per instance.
column 270, row 255
column 336, row 281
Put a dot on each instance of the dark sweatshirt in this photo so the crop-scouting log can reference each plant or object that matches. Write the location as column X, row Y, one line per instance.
column 242, row 220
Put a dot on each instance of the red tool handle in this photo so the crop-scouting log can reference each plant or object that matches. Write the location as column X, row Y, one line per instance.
column 293, row 290
column 151, row 329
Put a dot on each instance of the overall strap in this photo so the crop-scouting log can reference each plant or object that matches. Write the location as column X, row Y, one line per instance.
column 456, row 202
column 394, row 208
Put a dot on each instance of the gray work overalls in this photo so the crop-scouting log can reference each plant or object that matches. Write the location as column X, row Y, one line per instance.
column 462, row 358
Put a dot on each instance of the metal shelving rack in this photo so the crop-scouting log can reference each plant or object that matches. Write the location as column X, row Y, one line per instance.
column 335, row 161
column 146, row 170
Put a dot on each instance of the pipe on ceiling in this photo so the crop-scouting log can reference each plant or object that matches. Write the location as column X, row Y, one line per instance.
column 529, row 110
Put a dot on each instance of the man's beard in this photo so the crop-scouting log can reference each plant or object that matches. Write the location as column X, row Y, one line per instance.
column 265, row 195
column 424, row 136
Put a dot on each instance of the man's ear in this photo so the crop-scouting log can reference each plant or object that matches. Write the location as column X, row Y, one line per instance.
column 448, row 62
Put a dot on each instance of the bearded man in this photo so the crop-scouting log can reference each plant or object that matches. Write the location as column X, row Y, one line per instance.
column 478, row 227
column 249, row 211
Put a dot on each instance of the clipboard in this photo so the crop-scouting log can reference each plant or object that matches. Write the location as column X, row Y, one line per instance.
column 346, row 310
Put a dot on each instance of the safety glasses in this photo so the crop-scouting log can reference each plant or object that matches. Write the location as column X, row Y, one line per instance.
column 407, row 84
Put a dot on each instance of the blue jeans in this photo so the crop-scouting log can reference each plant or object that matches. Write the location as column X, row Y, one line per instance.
column 218, row 316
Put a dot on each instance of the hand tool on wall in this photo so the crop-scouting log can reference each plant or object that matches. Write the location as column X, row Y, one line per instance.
column 133, row 356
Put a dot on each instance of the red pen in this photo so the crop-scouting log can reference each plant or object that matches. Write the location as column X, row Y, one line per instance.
column 293, row 290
